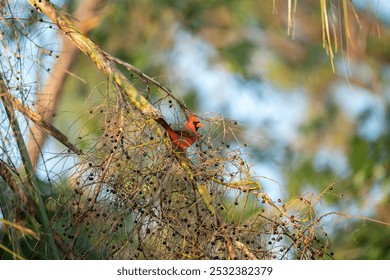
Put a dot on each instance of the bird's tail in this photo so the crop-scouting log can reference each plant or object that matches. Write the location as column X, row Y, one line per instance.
column 167, row 128
column 164, row 124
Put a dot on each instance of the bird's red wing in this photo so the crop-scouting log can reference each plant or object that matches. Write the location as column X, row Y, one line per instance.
column 185, row 138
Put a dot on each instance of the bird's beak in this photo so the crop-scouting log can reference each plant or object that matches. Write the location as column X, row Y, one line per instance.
column 198, row 125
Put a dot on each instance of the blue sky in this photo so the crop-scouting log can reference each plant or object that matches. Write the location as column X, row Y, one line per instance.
column 378, row 7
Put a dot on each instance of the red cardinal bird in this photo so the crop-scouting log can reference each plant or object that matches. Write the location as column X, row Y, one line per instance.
column 185, row 137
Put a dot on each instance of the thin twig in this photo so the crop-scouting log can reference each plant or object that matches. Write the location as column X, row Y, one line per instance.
column 39, row 121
